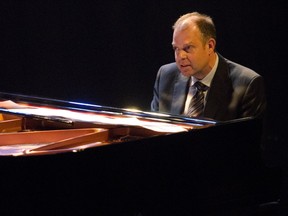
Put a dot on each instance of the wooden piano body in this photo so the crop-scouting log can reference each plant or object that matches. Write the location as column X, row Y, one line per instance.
column 94, row 168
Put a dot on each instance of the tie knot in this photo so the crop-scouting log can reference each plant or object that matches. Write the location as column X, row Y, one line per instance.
column 200, row 86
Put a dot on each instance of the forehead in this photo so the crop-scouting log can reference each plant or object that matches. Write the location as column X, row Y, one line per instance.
column 186, row 34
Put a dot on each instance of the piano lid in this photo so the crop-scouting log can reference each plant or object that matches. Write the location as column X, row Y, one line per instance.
column 39, row 126
column 70, row 111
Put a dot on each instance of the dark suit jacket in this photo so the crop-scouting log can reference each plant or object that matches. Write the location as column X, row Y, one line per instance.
column 235, row 92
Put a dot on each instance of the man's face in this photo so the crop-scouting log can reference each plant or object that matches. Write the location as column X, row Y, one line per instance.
column 191, row 54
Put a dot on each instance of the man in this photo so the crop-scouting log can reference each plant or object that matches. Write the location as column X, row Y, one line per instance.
column 202, row 83
column 231, row 90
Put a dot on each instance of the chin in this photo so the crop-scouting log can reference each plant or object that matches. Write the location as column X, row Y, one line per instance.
column 186, row 73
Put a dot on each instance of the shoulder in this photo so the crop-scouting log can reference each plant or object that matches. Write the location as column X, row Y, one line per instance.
column 168, row 71
column 169, row 68
column 238, row 71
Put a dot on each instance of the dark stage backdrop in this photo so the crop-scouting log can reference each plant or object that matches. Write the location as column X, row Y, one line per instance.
column 108, row 52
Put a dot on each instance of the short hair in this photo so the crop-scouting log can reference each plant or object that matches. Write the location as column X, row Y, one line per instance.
column 204, row 23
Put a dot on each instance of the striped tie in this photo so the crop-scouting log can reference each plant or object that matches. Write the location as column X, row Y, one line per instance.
column 196, row 105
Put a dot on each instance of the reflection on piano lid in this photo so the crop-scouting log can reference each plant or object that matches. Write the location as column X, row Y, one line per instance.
column 60, row 105
column 28, row 119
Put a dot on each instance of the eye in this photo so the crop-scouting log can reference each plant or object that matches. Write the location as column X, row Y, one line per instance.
column 188, row 48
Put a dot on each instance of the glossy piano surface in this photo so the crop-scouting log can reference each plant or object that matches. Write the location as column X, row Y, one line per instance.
column 123, row 168
column 28, row 116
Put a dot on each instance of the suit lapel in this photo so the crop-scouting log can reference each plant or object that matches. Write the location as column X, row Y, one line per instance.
column 219, row 93
column 179, row 94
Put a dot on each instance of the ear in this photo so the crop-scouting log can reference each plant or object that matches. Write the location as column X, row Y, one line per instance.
column 211, row 44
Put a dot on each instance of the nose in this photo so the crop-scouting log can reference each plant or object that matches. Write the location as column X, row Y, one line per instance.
column 181, row 54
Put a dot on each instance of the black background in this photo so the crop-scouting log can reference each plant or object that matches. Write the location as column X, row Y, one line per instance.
column 108, row 52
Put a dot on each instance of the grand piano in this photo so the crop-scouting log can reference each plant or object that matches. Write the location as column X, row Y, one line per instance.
column 69, row 158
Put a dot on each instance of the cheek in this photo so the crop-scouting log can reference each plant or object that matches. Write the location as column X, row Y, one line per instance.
column 193, row 59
